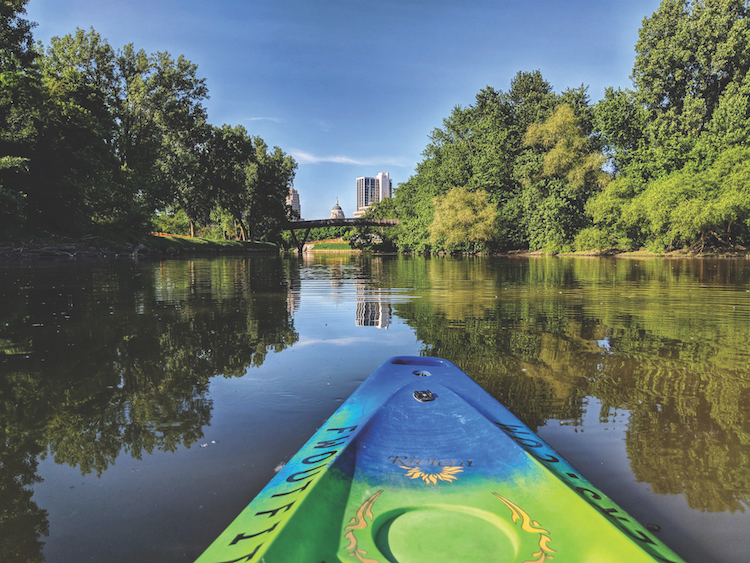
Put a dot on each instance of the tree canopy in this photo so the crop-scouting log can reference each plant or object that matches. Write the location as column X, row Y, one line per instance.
column 102, row 139
column 659, row 165
column 677, row 141
column 530, row 155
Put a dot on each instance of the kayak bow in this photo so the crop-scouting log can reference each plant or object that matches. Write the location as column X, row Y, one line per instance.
column 421, row 464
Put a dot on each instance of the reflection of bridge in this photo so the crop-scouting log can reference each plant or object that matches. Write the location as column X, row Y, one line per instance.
column 292, row 226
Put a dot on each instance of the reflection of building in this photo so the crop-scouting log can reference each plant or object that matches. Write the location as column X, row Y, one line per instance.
column 293, row 292
column 292, row 200
column 373, row 308
column 336, row 212
column 372, row 190
column 373, row 313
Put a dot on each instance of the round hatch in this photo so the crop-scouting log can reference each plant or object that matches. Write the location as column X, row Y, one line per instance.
column 435, row 535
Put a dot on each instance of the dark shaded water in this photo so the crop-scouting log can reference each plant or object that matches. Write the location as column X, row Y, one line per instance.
column 143, row 405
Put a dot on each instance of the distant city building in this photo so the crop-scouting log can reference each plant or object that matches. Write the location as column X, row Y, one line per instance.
column 292, row 200
column 336, row 212
column 372, row 190
column 367, row 192
column 384, row 183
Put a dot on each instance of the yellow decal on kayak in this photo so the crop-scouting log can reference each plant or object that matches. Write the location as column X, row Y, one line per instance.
column 447, row 474
column 359, row 522
column 533, row 527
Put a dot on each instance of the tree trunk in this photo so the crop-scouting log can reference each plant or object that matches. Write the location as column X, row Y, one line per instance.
column 250, row 228
column 239, row 229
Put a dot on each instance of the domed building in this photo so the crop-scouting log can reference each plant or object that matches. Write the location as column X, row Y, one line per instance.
column 336, row 212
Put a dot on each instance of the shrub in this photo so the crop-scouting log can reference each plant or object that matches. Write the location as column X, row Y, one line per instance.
column 592, row 238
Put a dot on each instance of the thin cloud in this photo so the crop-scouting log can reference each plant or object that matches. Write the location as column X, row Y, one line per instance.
column 306, row 158
column 274, row 119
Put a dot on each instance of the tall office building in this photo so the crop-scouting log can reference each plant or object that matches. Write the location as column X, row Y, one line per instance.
column 292, row 200
column 371, row 190
column 384, row 184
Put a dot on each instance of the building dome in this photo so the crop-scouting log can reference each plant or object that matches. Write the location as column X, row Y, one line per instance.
column 336, row 212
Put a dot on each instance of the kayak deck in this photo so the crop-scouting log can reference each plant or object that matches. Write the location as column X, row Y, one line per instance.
column 420, row 464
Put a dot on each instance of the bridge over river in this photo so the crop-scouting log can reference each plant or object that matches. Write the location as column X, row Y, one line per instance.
column 292, row 226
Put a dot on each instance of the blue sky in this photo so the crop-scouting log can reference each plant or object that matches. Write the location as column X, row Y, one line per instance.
column 351, row 87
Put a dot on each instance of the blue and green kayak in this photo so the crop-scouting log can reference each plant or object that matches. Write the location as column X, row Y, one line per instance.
column 421, row 464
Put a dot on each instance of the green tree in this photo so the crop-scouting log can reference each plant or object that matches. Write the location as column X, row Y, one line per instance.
column 178, row 112
column 155, row 105
column 186, row 165
column 463, row 221
column 687, row 53
column 569, row 150
column 482, row 148
column 559, row 181
column 94, row 137
column 267, row 184
column 621, row 121
column 231, row 155
column 689, row 112
column 55, row 162
column 20, row 93
column 16, row 41
column 74, row 167
column 689, row 209
column 479, row 148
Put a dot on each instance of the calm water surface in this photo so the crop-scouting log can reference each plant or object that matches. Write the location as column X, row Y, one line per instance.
column 142, row 406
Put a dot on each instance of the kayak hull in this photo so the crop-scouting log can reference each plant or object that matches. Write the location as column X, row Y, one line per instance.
column 420, row 464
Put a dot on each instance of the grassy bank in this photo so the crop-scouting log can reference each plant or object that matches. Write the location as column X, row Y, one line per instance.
column 326, row 245
column 163, row 241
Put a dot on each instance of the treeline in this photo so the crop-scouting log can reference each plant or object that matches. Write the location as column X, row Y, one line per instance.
column 665, row 165
column 96, row 139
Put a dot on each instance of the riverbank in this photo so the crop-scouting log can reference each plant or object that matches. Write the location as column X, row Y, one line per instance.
column 645, row 253
column 161, row 246
column 147, row 246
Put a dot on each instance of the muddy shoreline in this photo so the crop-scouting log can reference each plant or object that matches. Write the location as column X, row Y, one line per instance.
column 45, row 251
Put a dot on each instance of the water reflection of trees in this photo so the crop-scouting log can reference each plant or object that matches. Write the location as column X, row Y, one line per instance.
column 689, row 428
column 661, row 339
column 22, row 522
column 100, row 361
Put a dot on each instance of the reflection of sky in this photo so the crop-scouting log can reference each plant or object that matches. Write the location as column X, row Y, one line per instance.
column 341, row 286
column 333, row 316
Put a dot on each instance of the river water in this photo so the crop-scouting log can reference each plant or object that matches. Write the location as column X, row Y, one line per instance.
column 143, row 405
